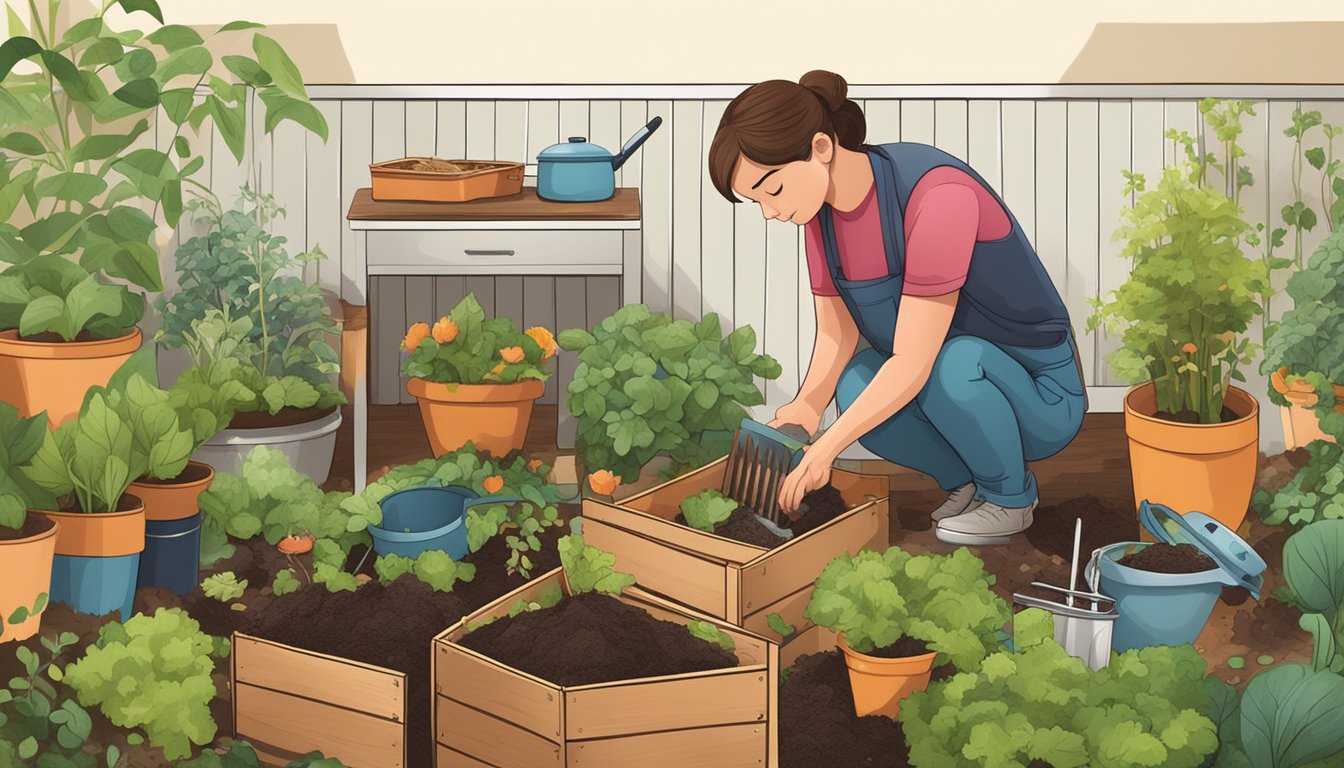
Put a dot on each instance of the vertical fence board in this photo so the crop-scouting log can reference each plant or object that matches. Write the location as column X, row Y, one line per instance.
column 749, row 272
column 950, row 134
column 483, row 288
column 1083, row 260
column 324, row 216
column 657, row 186
column 1052, row 156
column 480, row 130
column 687, row 181
column 450, row 130
column 716, row 232
column 421, row 128
column 984, row 141
column 883, row 117
column 574, row 119
column 356, row 154
column 779, row 336
column 918, row 121
column 290, row 184
column 390, row 317
column 511, row 131
column 1114, row 154
column 634, row 114
column 448, row 291
column 1019, row 163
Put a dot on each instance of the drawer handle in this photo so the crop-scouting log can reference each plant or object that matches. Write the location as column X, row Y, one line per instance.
column 480, row 252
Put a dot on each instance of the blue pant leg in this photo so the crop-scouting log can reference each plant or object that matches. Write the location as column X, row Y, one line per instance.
column 908, row 438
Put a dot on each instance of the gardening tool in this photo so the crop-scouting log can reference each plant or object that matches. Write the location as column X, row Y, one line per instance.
column 1172, row 608
column 1083, row 621
column 580, row 172
column 760, row 459
column 431, row 516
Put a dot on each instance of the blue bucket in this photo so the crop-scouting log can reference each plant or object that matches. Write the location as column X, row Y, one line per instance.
column 172, row 556
column 95, row 585
column 432, row 516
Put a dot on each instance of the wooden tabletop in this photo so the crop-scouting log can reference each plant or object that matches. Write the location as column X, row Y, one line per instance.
column 623, row 206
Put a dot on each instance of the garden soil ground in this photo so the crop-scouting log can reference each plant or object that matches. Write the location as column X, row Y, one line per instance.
column 1169, row 558
column 819, row 507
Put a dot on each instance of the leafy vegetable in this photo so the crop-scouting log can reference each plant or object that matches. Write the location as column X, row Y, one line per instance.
column 38, row 717
column 647, row 385
column 335, row 579
column 1313, row 567
column 433, row 567
column 20, row 439
column 153, row 672
column 84, row 463
column 548, row 598
column 707, row 509
column 1291, row 716
column 588, row 568
column 223, row 587
column 779, row 626
column 466, row 348
column 875, row 598
column 285, row 583
column 1316, row 491
column 712, row 634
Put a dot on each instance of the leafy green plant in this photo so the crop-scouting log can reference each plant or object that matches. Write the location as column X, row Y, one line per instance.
column 23, row 612
column 589, row 569
column 875, row 598
column 1040, row 703
column 1315, row 492
column 285, row 583
column 85, row 464
column 707, row 509
column 549, row 598
column 648, row 385
column 66, row 132
column 241, row 755
column 434, row 567
column 39, row 722
column 20, row 439
column 465, row 348
column 1289, row 715
column 1313, row 569
column 779, row 625
column 224, row 587
column 712, row 634
column 153, row 672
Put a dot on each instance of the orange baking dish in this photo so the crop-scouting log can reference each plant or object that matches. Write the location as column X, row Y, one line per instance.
column 434, row 180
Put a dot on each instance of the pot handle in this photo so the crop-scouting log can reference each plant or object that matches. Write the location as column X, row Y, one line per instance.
column 1092, row 574
column 641, row 136
column 491, row 500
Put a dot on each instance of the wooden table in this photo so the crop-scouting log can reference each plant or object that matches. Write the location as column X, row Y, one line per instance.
column 517, row 235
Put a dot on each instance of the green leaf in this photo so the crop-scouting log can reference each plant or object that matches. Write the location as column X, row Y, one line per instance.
column 14, row 50
column 280, row 106
column 177, row 103
column 588, row 568
column 278, row 64
column 231, row 123
column 72, row 79
column 72, row 186
column 19, row 615
column 1316, row 157
column 707, row 509
column 16, row 26
column 247, row 70
column 138, row 63
column 142, row 93
column 45, row 314
column 285, row 583
column 148, row 6
column 712, row 634
column 23, row 143
column 779, row 625
column 1291, row 715
column 234, row 26
column 28, row 748
column 223, row 587
column 191, row 62
column 174, row 37
column 103, row 146
column 105, row 50
column 1236, row 662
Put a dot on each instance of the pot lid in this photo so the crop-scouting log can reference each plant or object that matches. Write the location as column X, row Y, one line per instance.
column 1233, row 555
column 577, row 149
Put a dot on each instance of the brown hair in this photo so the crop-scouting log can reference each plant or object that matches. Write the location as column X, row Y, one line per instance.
column 772, row 123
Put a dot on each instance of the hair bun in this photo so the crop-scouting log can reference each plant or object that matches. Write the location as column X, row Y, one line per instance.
column 830, row 87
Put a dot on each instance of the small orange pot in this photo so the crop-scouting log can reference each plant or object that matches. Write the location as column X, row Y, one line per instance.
column 1300, row 423
column 38, row 376
column 1207, row 468
column 493, row 417
column 880, row 684
column 104, row 534
column 173, row 501
column 25, row 573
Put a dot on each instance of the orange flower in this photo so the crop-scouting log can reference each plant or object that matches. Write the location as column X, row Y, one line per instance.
column 493, row 484
column 533, row 465
column 497, row 370
column 1189, row 348
column 512, row 354
column 414, row 335
column 603, row 482
column 545, row 339
column 445, row 330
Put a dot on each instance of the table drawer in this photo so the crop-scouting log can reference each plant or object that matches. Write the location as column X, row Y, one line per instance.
column 495, row 252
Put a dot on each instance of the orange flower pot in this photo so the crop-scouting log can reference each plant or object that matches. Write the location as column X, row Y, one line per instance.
column 492, row 417
column 38, row 376
column 1300, row 423
column 1207, row 468
column 25, row 573
column 880, row 684
column 174, row 501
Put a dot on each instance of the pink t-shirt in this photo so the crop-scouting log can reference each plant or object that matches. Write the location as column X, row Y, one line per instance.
column 947, row 214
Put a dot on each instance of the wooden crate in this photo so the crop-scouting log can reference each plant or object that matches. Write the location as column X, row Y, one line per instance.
column 740, row 583
column 489, row 714
column 288, row 702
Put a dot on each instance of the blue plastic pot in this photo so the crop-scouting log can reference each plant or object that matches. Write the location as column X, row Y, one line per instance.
column 430, row 517
column 98, row 559
column 172, row 556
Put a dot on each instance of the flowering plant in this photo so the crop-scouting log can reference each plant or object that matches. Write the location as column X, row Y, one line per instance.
column 466, row 348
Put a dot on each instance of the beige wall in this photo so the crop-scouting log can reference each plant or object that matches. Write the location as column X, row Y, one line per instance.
column 887, row 42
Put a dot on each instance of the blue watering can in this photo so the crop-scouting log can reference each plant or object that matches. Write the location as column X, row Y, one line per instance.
column 431, row 516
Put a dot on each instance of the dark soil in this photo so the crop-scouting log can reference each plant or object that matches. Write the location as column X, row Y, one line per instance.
column 287, row 417
column 191, row 474
column 126, row 503
column 1105, row 521
column 32, row 526
column 743, row 526
column 1169, row 558
column 595, row 638
column 818, row 507
column 1190, row 417
column 51, row 337
column 903, row 648
column 818, row 727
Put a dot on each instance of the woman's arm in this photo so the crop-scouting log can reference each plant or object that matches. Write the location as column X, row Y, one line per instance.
column 837, row 338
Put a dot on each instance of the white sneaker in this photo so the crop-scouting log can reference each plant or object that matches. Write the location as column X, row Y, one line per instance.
column 959, row 501
column 988, row 523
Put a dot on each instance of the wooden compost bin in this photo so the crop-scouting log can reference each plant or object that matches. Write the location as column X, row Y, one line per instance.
column 740, row 583
column 489, row 715
column 288, row 702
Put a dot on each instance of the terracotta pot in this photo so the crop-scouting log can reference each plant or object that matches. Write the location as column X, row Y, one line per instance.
column 880, row 684
column 38, row 376
column 1300, row 423
column 25, row 573
column 173, row 501
column 493, row 417
column 1207, row 468
column 98, row 558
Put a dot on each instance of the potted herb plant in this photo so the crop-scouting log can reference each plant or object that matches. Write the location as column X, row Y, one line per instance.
column 1193, row 436
column 27, row 541
column 898, row 614
column 80, row 207
column 476, row 379
column 258, row 334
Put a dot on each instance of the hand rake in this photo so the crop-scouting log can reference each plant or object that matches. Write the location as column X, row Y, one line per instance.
column 760, row 459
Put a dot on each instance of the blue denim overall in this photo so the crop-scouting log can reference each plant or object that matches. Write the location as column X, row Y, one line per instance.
column 1005, row 388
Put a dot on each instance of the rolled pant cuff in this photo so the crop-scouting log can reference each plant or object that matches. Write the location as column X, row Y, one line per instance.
column 1016, row 500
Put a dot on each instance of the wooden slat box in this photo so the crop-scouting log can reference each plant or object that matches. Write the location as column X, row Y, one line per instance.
column 489, row 714
column 288, row 702
column 740, row 583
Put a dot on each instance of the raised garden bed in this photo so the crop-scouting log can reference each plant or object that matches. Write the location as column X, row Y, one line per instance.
column 740, row 583
column 489, row 714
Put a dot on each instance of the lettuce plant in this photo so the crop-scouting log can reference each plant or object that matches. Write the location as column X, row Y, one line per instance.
column 88, row 462
column 224, row 587
column 20, row 440
column 242, row 755
column 712, row 634
column 433, row 567
column 1289, row 715
column 466, row 348
column 707, row 509
column 589, row 569
column 648, row 385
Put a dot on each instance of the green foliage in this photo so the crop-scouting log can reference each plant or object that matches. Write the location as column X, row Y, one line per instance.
column 242, row 755
column 647, row 385
column 707, row 509
column 712, row 634
column 66, row 132
column 224, row 587
column 779, row 626
column 23, row 612
column 1288, row 716
column 1144, row 709
column 589, row 569
column 247, row 314
column 20, row 440
column 86, row 463
column 875, row 598
column 474, row 353
column 285, row 582
column 433, row 567
column 1313, row 569
column 39, row 721
column 549, row 597
column 1315, row 492
column 153, row 672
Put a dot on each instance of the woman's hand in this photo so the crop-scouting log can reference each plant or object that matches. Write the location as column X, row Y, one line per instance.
column 798, row 412
column 812, row 472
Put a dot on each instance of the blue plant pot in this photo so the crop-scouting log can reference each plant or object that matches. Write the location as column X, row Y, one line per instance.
column 430, row 517
column 95, row 585
column 1155, row 608
column 172, row 556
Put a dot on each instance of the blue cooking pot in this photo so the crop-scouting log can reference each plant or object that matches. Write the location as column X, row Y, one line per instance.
column 580, row 172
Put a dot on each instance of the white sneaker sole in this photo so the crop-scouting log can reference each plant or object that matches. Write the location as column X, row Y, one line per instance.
column 973, row 539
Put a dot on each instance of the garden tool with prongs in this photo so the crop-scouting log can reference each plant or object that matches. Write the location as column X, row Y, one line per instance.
column 760, row 459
